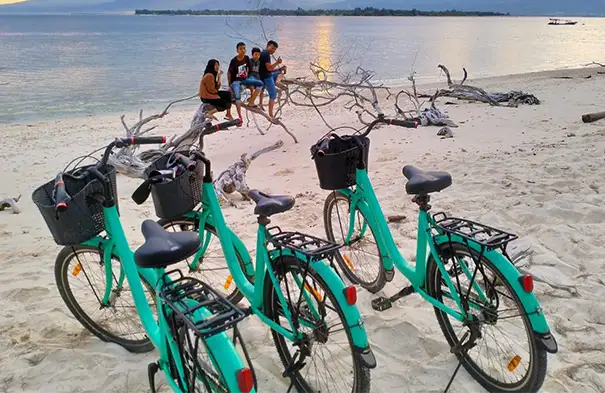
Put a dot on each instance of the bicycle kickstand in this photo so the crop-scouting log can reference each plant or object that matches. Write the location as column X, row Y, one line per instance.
column 152, row 369
column 296, row 364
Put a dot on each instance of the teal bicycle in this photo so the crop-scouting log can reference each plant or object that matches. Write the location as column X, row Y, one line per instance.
column 292, row 287
column 462, row 267
column 190, row 323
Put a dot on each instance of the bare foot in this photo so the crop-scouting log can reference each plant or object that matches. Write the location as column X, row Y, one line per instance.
column 229, row 117
column 262, row 108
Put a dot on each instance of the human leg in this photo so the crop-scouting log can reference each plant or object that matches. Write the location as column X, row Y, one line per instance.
column 272, row 90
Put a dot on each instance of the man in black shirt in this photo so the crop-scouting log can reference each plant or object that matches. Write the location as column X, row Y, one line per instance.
column 268, row 73
column 238, row 75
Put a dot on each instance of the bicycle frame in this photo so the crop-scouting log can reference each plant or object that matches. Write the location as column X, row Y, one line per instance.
column 364, row 198
column 116, row 244
column 211, row 213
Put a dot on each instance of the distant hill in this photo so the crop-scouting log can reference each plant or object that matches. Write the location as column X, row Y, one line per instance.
column 515, row 7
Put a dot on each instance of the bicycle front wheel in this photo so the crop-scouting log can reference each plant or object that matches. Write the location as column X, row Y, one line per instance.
column 506, row 356
column 359, row 259
column 331, row 362
column 81, row 280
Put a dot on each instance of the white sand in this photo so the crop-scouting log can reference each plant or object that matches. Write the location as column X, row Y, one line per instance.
column 536, row 170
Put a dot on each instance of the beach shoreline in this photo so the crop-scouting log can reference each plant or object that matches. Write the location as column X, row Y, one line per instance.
column 534, row 170
column 191, row 105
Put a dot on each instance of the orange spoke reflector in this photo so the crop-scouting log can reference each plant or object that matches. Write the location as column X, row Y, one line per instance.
column 228, row 282
column 317, row 295
column 77, row 269
column 512, row 365
column 348, row 261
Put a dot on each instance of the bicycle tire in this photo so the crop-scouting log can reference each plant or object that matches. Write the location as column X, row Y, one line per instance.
column 61, row 271
column 272, row 306
column 378, row 282
column 235, row 296
column 534, row 379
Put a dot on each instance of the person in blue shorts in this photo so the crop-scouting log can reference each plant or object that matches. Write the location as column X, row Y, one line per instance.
column 238, row 76
column 269, row 73
column 255, row 74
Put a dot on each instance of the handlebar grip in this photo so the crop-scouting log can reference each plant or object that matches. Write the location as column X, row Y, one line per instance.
column 403, row 123
column 143, row 140
column 323, row 147
column 60, row 194
column 186, row 162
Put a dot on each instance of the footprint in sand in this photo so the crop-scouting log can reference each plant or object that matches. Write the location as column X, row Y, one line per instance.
column 284, row 172
column 27, row 295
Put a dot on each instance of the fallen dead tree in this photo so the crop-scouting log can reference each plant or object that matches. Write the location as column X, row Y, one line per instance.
column 471, row 93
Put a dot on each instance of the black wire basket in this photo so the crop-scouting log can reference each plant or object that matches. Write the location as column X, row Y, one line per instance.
column 174, row 197
column 336, row 167
column 83, row 218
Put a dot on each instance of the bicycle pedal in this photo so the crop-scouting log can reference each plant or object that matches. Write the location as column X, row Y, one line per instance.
column 381, row 303
column 152, row 369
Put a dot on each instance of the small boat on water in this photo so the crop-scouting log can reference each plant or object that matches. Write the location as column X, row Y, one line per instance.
column 561, row 22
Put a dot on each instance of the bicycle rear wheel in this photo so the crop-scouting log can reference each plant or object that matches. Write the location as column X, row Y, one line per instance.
column 197, row 360
column 80, row 273
column 517, row 362
column 321, row 373
column 360, row 260
column 212, row 267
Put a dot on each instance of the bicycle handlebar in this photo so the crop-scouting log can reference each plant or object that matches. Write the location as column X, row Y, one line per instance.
column 186, row 162
column 61, row 196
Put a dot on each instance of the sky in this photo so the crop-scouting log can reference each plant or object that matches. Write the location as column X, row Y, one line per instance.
column 10, row 1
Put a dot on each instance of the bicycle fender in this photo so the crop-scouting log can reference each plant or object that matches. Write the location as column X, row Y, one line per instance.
column 509, row 271
column 353, row 318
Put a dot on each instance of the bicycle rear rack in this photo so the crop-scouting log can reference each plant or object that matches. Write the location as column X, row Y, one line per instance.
column 314, row 248
column 224, row 314
column 486, row 236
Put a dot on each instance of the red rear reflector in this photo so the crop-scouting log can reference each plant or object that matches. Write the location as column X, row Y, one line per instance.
column 527, row 282
column 350, row 293
column 163, row 139
column 245, row 380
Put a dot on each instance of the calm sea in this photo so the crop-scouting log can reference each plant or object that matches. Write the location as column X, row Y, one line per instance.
column 59, row 66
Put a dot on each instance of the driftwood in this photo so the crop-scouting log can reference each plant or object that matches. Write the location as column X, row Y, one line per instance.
column 396, row 218
column 129, row 163
column 125, row 161
column 427, row 116
column 10, row 203
column 234, row 178
column 472, row 93
column 590, row 117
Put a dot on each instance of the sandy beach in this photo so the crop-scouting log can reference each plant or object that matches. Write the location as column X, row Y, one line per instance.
column 535, row 170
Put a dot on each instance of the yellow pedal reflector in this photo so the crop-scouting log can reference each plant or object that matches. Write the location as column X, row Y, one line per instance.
column 77, row 269
column 314, row 292
column 348, row 261
column 512, row 365
column 228, row 282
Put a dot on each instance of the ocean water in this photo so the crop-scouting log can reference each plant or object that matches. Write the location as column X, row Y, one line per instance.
column 54, row 66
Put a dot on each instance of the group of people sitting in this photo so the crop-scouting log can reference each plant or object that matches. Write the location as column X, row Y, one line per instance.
column 256, row 74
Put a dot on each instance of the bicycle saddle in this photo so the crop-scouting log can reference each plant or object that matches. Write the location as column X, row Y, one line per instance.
column 162, row 248
column 267, row 205
column 425, row 182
